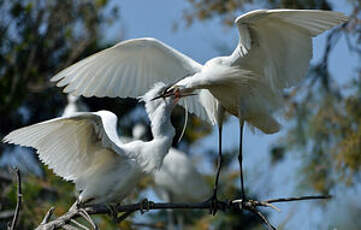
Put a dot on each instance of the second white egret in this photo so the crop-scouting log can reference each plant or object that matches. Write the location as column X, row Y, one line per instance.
column 85, row 148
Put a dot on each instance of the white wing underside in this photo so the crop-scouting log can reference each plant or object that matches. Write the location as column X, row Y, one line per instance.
column 129, row 69
column 69, row 145
column 277, row 44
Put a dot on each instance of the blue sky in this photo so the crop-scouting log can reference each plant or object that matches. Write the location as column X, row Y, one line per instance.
column 200, row 42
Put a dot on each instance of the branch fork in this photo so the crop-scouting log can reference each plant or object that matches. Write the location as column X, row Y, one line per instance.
column 145, row 205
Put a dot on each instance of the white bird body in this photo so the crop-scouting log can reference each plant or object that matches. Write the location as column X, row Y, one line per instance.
column 85, row 148
column 179, row 181
column 237, row 91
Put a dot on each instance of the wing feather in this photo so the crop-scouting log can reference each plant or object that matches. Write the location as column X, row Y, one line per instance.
column 68, row 145
column 277, row 44
column 129, row 69
column 130, row 62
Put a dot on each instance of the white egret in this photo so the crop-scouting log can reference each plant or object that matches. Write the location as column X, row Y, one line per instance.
column 85, row 148
column 273, row 53
column 177, row 178
column 179, row 181
column 74, row 105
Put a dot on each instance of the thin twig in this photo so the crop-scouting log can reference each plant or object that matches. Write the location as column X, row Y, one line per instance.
column 79, row 224
column 147, row 225
column 48, row 215
column 19, row 201
column 318, row 197
column 263, row 218
column 69, row 227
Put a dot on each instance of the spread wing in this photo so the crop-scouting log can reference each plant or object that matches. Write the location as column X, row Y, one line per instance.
column 277, row 44
column 68, row 145
column 129, row 69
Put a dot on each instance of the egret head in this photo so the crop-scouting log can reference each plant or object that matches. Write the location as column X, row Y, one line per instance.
column 154, row 102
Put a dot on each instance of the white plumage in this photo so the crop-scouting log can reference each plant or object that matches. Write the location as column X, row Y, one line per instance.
column 274, row 50
column 85, row 148
column 179, row 181
column 127, row 70
column 74, row 105
column 177, row 178
column 273, row 53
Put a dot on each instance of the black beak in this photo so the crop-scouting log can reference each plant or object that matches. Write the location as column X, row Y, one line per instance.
column 157, row 97
column 165, row 92
column 164, row 95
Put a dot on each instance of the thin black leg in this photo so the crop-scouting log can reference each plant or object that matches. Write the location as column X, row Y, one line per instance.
column 220, row 160
column 213, row 199
column 240, row 158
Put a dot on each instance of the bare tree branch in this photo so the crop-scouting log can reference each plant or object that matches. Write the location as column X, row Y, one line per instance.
column 250, row 205
column 18, row 203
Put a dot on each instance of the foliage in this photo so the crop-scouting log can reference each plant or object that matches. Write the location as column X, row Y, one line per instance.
column 229, row 9
column 327, row 120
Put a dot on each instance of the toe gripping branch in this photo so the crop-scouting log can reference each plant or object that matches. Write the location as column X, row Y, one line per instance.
column 145, row 206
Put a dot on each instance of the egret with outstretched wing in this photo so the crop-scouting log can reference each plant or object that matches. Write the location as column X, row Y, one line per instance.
column 273, row 53
column 85, row 148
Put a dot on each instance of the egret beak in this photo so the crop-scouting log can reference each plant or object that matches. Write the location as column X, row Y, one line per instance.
column 157, row 97
column 163, row 95
column 173, row 92
column 187, row 94
column 170, row 88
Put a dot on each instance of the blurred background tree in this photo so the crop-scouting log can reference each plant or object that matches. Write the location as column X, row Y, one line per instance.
column 38, row 38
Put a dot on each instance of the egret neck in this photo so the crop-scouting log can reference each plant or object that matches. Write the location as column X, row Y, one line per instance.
column 163, row 132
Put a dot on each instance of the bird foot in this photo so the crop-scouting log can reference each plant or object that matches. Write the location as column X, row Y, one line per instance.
column 251, row 204
column 240, row 203
column 79, row 207
column 87, row 217
column 145, row 206
column 213, row 207
column 113, row 209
